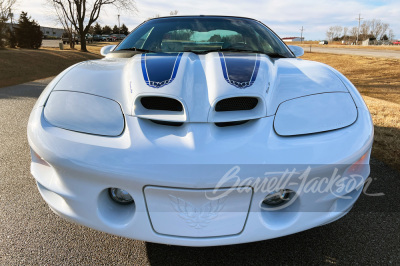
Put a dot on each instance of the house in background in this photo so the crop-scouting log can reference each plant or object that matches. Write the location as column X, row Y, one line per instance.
column 374, row 41
column 293, row 39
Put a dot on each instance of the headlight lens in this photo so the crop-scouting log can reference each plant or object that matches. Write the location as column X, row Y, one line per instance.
column 84, row 113
column 315, row 113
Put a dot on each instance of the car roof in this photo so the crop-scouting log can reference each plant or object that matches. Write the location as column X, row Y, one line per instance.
column 203, row 16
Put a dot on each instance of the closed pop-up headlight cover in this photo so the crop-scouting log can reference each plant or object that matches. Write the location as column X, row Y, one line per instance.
column 315, row 113
column 85, row 113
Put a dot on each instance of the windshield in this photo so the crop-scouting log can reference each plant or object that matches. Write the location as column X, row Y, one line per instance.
column 204, row 34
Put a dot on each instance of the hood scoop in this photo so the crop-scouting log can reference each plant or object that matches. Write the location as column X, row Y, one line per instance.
column 188, row 87
column 160, row 108
column 161, row 103
column 236, row 104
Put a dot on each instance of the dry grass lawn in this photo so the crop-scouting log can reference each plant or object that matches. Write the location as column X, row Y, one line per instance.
column 378, row 80
column 93, row 48
column 306, row 44
column 386, row 117
column 372, row 47
column 23, row 65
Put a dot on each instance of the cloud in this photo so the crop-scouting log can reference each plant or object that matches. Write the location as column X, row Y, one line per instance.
column 285, row 17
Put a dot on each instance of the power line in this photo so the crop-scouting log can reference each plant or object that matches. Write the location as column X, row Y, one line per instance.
column 359, row 22
column 119, row 27
column 301, row 36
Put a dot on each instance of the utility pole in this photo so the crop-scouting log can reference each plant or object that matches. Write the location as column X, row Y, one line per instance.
column 119, row 27
column 359, row 22
column 11, row 15
column 301, row 37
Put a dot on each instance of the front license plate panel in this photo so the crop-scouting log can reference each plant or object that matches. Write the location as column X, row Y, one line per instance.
column 197, row 212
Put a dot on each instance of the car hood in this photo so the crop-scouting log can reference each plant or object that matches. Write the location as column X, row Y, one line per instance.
column 199, row 81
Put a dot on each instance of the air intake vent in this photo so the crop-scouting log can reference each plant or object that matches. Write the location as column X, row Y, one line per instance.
column 236, row 104
column 229, row 124
column 161, row 103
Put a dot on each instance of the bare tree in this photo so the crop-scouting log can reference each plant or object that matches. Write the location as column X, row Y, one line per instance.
column 66, row 24
column 174, row 13
column 365, row 30
column 391, row 35
column 345, row 30
column 5, row 14
column 375, row 27
column 336, row 32
column 330, row 33
column 5, row 8
column 353, row 33
column 385, row 27
column 82, row 14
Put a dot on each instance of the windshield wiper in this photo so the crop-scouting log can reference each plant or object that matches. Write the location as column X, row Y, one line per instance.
column 239, row 51
column 137, row 49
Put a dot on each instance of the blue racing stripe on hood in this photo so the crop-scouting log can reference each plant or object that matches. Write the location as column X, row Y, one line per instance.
column 240, row 70
column 160, row 69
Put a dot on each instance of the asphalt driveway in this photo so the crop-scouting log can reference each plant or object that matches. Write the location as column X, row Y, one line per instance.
column 30, row 233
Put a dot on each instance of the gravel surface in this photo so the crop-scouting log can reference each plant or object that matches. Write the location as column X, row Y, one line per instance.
column 30, row 233
column 352, row 51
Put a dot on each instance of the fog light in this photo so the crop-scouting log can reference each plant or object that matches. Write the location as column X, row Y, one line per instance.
column 120, row 196
column 279, row 197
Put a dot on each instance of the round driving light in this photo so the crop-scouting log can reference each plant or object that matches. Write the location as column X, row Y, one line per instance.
column 279, row 197
column 120, row 196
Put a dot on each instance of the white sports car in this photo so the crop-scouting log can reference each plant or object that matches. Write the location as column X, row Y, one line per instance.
column 200, row 131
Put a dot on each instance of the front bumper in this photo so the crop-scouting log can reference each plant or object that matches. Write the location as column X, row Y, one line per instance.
column 195, row 156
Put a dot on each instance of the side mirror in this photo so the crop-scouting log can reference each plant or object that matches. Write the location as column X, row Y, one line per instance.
column 107, row 49
column 297, row 50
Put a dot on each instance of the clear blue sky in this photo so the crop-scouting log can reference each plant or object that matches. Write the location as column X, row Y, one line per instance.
column 285, row 17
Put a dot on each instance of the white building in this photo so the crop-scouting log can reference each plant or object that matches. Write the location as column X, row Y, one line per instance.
column 52, row 32
column 292, row 39
column 48, row 32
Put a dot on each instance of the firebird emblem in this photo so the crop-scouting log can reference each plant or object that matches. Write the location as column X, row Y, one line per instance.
column 197, row 217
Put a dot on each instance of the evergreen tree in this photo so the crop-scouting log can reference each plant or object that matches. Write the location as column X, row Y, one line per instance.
column 28, row 33
column 115, row 30
column 106, row 30
column 97, row 29
column 124, row 29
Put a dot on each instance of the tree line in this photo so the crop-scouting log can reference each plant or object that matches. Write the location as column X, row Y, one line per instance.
column 99, row 30
column 374, row 29
column 76, row 16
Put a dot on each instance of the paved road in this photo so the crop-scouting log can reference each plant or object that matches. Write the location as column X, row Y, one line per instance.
column 355, row 51
column 31, row 234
